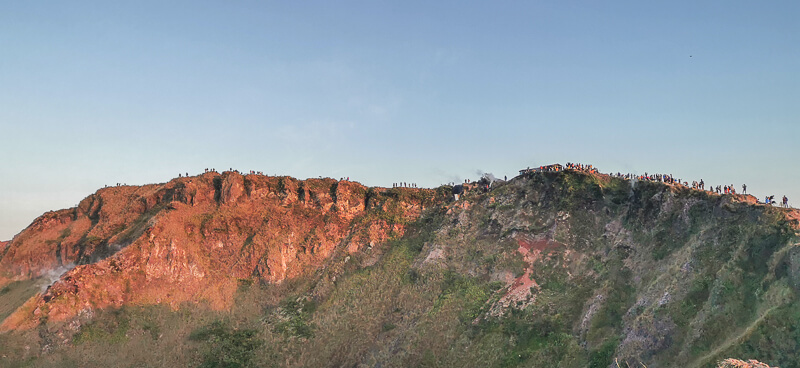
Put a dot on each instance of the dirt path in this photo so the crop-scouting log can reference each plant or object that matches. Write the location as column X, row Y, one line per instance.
column 733, row 340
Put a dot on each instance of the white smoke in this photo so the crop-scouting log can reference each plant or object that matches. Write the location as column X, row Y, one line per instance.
column 115, row 247
column 488, row 176
column 51, row 276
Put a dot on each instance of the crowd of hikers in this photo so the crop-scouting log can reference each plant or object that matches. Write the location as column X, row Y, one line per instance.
column 485, row 183
column 548, row 168
column 661, row 178
column 559, row 167
column 771, row 201
column 581, row 167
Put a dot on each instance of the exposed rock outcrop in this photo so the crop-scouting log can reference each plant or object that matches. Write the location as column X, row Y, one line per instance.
column 193, row 238
column 560, row 268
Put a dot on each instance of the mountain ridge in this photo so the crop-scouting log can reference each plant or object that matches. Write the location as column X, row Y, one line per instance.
column 163, row 222
column 571, row 266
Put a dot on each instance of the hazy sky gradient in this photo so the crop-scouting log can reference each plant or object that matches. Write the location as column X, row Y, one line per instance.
column 95, row 93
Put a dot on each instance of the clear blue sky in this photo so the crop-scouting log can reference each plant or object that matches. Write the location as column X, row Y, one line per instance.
column 95, row 93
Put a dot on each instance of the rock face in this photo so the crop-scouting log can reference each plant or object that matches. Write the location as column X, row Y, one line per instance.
column 193, row 238
column 658, row 275
column 568, row 269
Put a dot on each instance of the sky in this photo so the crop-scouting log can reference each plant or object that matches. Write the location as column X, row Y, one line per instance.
column 95, row 93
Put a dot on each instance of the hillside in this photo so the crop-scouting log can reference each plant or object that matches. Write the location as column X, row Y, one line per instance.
column 568, row 269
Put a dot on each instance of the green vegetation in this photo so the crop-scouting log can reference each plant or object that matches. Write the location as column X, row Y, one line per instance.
column 604, row 355
column 16, row 293
column 111, row 329
column 294, row 316
column 225, row 346
column 647, row 274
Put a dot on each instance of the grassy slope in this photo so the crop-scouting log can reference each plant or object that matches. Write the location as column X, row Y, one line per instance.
column 16, row 293
column 667, row 278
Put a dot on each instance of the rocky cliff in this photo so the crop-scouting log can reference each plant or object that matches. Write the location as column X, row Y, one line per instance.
column 193, row 238
column 568, row 269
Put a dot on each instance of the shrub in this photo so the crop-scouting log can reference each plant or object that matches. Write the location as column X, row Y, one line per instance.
column 226, row 347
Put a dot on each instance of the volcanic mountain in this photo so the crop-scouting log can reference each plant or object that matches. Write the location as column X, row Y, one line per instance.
column 567, row 268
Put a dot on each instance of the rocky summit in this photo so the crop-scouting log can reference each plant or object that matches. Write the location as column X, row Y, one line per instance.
column 570, row 268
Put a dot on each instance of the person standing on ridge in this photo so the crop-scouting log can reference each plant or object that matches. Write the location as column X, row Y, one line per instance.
column 744, row 188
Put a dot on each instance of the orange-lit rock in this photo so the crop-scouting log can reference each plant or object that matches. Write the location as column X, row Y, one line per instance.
column 193, row 238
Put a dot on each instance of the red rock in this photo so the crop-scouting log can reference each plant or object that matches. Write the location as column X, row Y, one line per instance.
column 191, row 239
